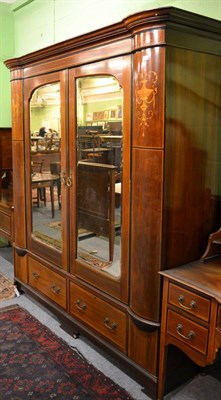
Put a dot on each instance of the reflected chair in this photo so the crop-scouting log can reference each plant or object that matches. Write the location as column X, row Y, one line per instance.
column 36, row 168
column 55, row 169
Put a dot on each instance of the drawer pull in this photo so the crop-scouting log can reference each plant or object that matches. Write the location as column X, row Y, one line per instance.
column 79, row 306
column 190, row 335
column 191, row 306
column 110, row 327
column 55, row 289
column 35, row 275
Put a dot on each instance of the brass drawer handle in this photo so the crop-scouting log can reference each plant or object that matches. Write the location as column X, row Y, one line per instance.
column 35, row 275
column 110, row 327
column 79, row 306
column 55, row 289
column 191, row 306
column 190, row 335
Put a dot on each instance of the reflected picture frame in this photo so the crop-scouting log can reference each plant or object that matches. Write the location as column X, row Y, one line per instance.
column 113, row 114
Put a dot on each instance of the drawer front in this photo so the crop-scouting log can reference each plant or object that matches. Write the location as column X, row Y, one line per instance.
column 101, row 316
column 47, row 282
column 187, row 331
column 189, row 302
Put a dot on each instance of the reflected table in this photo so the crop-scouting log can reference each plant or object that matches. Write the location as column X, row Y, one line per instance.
column 45, row 180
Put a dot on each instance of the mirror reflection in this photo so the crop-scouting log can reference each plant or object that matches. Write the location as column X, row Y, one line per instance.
column 45, row 164
column 99, row 172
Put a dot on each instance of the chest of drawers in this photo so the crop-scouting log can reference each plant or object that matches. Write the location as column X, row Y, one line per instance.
column 191, row 314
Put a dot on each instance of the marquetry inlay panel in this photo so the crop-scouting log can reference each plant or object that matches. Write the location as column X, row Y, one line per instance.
column 148, row 117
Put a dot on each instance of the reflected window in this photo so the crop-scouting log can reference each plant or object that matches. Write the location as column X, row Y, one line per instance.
column 99, row 172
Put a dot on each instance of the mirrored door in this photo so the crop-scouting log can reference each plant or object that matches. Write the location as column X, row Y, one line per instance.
column 45, row 140
column 45, row 133
column 101, row 150
column 99, row 172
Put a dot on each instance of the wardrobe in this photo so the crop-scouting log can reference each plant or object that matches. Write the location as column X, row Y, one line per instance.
column 132, row 169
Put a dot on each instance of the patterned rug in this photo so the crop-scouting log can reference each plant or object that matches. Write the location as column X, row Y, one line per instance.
column 36, row 364
column 7, row 288
column 95, row 262
column 48, row 240
column 55, row 225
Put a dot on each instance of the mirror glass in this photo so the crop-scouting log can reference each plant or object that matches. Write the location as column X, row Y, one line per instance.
column 45, row 139
column 99, row 172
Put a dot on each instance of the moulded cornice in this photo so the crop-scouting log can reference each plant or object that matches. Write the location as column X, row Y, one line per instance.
column 127, row 28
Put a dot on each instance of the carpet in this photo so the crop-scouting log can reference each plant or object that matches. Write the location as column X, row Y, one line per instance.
column 7, row 288
column 95, row 262
column 55, row 225
column 36, row 364
column 48, row 240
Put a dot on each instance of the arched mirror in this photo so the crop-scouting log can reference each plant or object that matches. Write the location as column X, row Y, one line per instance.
column 99, row 172
column 45, row 140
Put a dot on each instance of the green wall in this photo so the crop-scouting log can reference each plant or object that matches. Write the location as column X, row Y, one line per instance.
column 38, row 24
column 41, row 23
column 6, row 51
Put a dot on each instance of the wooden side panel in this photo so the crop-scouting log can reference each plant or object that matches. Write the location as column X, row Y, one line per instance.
column 19, row 194
column 192, row 157
column 21, row 268
column 143, row 348
column 147, row 181
column 148, row 106
column 146, row 232
column 18, row 162
column 17, row 110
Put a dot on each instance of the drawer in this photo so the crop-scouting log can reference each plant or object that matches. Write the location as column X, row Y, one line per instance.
column 47, row 282
column 101, row 316
column 190, row 302
column 187, row 331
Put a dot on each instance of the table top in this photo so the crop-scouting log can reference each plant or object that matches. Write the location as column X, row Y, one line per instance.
column 201, row 276
column 44, row 177
column 95, row 149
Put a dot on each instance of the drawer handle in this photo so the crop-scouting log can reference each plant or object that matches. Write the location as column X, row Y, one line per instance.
column 110, row 327
column 55, row 289
column 190, row 335
column 35, row 275
column 79, row 306
column 191, row 306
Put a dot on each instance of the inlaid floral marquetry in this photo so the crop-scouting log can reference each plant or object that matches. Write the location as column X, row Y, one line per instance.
column 146, row 91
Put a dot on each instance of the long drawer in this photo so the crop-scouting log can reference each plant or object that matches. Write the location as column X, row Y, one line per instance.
column 101, row 316
column 47, row 282
column 187, row 331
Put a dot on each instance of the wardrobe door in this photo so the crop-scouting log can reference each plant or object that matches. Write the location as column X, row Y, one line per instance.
column 100, row 169
column 45, row 164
